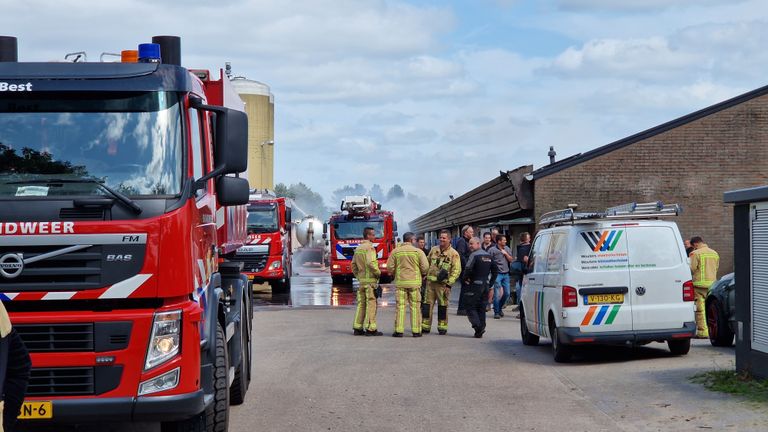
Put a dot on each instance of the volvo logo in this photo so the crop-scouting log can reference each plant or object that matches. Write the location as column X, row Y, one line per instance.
column 11, row 265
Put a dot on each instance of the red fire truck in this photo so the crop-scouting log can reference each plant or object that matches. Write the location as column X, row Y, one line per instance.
column 346, row 233
column 267, row 254
column 121, row 210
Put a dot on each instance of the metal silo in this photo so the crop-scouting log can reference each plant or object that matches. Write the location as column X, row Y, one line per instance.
column 260, row 106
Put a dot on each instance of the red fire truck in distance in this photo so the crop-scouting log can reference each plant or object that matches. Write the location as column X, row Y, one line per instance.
column 267, row 255
column 121, row 212
column 346, row 233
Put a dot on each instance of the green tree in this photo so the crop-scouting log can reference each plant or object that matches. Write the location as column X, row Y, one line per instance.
column 395, row 192
column 35, row 162
column 308, row 200
column 339, row 194
column 281, row 190
column 376, row 193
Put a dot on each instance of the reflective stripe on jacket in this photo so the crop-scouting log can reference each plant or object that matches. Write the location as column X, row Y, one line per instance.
column 365, row 267
column 408, row 265
column 704, row 265
column 448, row 260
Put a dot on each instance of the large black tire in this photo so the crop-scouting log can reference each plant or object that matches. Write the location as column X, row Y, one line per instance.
column 215, row 418
column 240, row 385
column 281, row 286
column 528, row 337
column 561, row 352
column 720, row 333
column 679, row 346
column 341, row 280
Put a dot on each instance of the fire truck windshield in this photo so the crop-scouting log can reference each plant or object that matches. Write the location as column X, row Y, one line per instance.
column 129, row 141
column 348, row 230
column 262, row 219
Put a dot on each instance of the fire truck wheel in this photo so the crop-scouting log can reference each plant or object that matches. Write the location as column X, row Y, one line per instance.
column 281, row 286
column 341, row 280
column 240, row 384
column 215, row 418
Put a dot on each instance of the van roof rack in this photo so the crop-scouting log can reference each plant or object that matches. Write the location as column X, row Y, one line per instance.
column 633, row 210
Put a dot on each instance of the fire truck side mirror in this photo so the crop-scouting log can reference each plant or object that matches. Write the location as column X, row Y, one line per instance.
column 232, row 191
column 231, row 141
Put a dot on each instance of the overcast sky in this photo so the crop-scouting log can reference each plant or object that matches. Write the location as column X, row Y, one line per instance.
column 437, row 96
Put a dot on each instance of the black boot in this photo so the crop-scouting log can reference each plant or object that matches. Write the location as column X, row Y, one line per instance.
column 358, row 332
column 396, row 334
column 479, row 332
column 373, row 333
column 417, row 335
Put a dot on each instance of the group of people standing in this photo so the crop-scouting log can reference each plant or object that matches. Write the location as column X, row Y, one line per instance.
column 423, row 278
column 510, row 266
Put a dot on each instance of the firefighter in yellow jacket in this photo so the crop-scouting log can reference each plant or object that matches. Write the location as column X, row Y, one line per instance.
column 704, row 265
column 408, row 265
column 365, row 267
column 444, row 269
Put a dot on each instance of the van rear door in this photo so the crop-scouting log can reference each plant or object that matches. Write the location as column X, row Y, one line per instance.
column 657, row 269
column 598, row 270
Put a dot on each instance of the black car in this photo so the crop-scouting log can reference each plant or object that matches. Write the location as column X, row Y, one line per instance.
column 721, row 311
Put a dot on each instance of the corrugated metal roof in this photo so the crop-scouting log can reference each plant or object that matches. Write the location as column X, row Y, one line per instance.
column 507, row 194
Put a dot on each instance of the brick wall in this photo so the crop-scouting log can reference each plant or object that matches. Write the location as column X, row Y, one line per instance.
column 691, row 165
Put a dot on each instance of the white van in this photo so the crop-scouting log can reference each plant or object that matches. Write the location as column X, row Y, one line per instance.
column 604, row 279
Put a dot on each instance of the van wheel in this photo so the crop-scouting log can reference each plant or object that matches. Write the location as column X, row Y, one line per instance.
column 561, row 352
column 720, row 334
column 528, row 337
column 679, row 346
column 215, row 418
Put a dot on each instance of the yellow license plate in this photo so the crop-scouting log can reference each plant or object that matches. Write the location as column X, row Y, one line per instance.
column 36, row 410
column 605, row 298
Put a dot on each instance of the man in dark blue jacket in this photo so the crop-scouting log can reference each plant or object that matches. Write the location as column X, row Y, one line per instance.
column 14, row 372
column 480, row 270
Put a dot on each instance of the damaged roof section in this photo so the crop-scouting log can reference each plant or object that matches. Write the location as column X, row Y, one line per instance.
column 507, row 195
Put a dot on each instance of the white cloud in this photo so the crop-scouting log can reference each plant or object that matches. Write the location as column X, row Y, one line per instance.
column 384, row 91
column 633, row 5
column 650, row 58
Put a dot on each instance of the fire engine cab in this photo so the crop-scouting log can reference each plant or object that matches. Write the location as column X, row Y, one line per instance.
column 267, row 255
column 122, row 211
column 346, row 233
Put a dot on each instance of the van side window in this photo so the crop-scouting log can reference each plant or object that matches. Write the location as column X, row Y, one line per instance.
column 556, row 252
column 538, row 260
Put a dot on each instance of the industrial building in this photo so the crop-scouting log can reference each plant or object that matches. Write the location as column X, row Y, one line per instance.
column 691, row 161
column 260, row 107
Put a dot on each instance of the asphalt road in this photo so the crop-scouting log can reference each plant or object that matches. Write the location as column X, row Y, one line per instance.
column 311, row 374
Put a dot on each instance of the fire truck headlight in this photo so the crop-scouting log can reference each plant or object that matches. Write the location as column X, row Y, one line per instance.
column 384, row 265
column 336, row 266
column 160, row 383
column 275, row 265
column 165, row 340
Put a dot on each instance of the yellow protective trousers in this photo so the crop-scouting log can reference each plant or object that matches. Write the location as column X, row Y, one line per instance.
column 702, row 330
column 412, row 298
column 365, row 314
column 435, row 293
